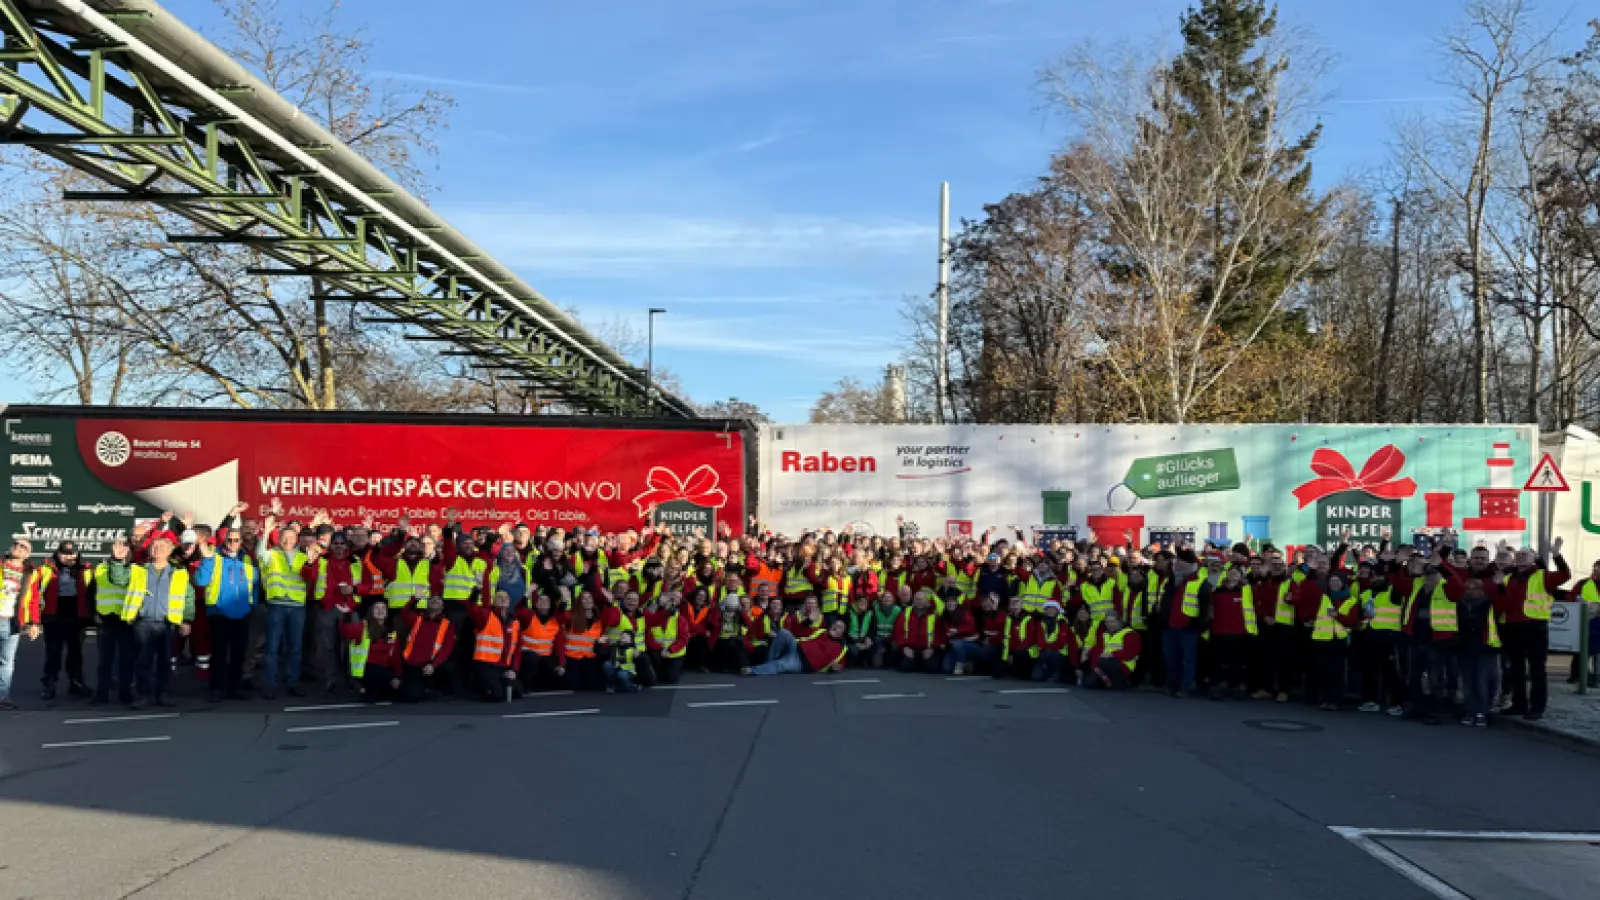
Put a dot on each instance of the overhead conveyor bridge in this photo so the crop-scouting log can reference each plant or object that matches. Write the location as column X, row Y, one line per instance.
column 122, row 90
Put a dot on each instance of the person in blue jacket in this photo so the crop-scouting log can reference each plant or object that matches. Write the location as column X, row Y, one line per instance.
column 229, row 582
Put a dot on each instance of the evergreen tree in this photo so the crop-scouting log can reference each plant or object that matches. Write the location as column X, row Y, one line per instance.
column 1224, row 81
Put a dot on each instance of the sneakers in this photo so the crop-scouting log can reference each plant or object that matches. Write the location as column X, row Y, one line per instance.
column 1283, row 697
column 78, row 689
column 1369, row 706
column 1480, row 720
column 1467, row 721
column 960, row 669
column 1329, row 707
column 1261, row 695
column 7, row 706
column 1396, row 710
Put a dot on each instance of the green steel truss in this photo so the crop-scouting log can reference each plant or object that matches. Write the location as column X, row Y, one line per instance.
column 120, row 117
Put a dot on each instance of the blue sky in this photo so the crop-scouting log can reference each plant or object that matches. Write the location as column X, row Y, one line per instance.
column 768, row 170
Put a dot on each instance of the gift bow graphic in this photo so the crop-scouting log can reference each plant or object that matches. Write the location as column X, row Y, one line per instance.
column 700, row 488
column 1377, row 476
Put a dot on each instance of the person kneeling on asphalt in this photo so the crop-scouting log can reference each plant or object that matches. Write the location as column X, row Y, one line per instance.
column 1115, row 654
column 859, row 637
column 1053, row 647
column 496, row 650
column 374, row 653
column 920, row 635
column 963, row 645
column 426, row 658
column 622, row 666
column 544, row 646
column 667, row 633
column 823, row 654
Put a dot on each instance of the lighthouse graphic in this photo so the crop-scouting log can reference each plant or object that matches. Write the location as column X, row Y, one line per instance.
column 1499, row 505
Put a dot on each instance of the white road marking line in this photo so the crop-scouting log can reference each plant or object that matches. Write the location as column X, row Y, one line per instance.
column 343, row 727
column 142, row 718
column 540, row 694
column 691, row 687
column 1035, row 691
column 957, row 678
column 891, row 696
column 136, row 740
column 849, row 681
column 732, row 703
column 1414, row 873
column 1569, row 837
column 551, row 712
column 333, row 706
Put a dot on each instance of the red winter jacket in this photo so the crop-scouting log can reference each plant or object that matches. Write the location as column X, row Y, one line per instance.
column 381, row 652
column 419, row 634
column 912, row 631
column 49, row 594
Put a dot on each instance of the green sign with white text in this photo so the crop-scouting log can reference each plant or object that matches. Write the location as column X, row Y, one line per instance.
column 1199, row 472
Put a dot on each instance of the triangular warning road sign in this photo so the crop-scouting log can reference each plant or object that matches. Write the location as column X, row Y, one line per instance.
column 1546, row 477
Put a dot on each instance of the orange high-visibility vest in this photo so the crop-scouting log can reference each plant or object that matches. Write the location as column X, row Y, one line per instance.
column 490, row 646
column 580, row 644
column 438, row 636
column 539, row 638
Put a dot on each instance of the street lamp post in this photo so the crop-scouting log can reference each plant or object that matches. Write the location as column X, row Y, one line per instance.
column 650, row 357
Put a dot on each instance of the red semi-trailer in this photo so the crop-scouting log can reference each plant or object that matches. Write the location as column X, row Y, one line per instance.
column 87, row 473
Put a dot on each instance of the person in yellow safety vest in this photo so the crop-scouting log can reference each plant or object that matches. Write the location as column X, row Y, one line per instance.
column 286, row 607
column 625, row 624
column 1099, row 593
column 649, row 584
column 1115, row 655
column 114, row 640
column 374, row 652
column 835, row 590
column 1524, row 608
column 1382, row 685
column 1040, row 588
column 799, row 581
column 158, row 599
column 1478, row 647
column 1186, row 596
column 668, row 630
column 463, row 573
column 1337, row 615
column 1233, row 628
column 1587, row 592
column 1275, row 595
column 414, row 577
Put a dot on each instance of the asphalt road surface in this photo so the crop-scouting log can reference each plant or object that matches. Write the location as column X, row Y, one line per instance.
column 872, row 785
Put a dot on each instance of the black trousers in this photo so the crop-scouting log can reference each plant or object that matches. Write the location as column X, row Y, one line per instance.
column 699, row 654
column 585, row 674
column 1527, row 646
column 1330, row 663
column 1152, row 666
column 63, row 637
column 230, row 643
column 667, row 669
column 489, row 681
column 1230, row 654
column 730, row 656
column 1381, row 680
column 374, row 682
column 116, row 653
column 539, row 672
column 916, row 663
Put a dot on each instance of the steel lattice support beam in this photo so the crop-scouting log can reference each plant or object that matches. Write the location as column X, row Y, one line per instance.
column 121, row 90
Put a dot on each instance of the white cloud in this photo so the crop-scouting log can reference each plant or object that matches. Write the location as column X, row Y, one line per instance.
column 583, row 243
column 461, row 83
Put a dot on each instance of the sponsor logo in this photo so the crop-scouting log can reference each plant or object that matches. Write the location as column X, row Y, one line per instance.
column 89, row 540
column 30, row 438
column 37, row 508
column 32, row 460
column 793, row 461
column 43, row 482
column 1558, row 615
column 103, row 508
column 112, row 449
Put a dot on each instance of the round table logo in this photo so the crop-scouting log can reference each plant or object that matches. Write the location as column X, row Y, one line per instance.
column 112, row 449
column 1558, row 615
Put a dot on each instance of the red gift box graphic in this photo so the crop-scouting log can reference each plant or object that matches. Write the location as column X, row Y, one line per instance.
column 664, row 486
column 1377, row 476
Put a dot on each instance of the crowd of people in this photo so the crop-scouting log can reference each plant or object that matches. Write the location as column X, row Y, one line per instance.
column 413, row 614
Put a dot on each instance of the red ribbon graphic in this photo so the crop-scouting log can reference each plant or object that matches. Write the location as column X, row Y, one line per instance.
column 700, row 488
column 1377, row 476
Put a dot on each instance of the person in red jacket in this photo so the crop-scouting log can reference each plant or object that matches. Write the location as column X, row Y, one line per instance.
column 544, row 646
column 806, row 623
column 1053, row 646
column 496, row 649
column 1526, row 628
column 374, row 653
column 1233, row 629
column 725, row 629
column 333, row 581
column 1115, row 653
column 666, row 639
column 993, row 623
column 823, row 654
column 919, row 634
column 61, row 590
column 425, row 656
column 964, row 646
